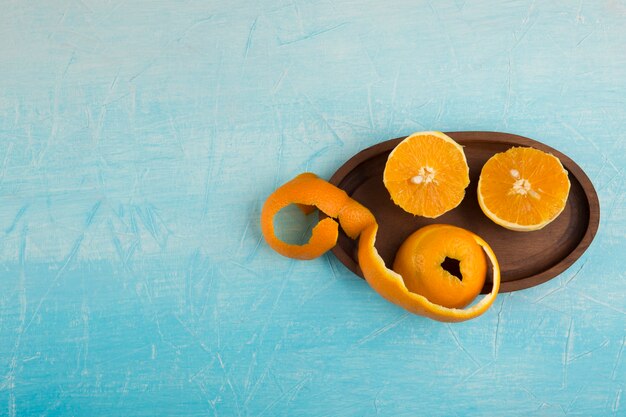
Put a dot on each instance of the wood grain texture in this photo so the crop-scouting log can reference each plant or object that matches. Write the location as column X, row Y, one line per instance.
column 138, row 141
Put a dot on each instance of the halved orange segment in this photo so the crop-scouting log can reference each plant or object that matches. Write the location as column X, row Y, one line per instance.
column 523, row 189
column 423, row 260
column 426, row 174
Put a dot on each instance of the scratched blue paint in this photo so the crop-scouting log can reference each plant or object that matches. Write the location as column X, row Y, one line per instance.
column 138, row 141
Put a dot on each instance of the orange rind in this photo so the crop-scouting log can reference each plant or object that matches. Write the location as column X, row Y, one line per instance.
column 426, row 259
column 308, row 191
column 390, row 285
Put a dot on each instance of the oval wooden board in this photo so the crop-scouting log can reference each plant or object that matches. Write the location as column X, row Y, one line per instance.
column 526, row 258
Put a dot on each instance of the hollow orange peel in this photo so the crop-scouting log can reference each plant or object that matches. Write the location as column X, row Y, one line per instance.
column 390, row 285
column 308, row 191
column 421, row 259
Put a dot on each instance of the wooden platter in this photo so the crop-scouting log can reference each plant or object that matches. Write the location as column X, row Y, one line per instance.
column 526, row 258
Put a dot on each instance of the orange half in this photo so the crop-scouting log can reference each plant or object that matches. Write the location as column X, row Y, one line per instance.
column 426, row 174
column 523, row 189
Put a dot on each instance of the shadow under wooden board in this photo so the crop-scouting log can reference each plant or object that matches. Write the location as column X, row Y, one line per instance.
column 526, row 258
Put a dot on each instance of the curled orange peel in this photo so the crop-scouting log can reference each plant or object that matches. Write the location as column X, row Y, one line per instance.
column 308, row 191
column 390, row 284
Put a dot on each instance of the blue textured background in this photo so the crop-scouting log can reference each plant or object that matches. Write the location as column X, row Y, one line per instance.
column 138, row 141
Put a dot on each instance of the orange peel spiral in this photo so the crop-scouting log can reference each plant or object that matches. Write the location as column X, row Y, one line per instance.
column 309, row 191
column 390, row 285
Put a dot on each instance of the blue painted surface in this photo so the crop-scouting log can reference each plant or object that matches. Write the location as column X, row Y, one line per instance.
column 138, row 141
